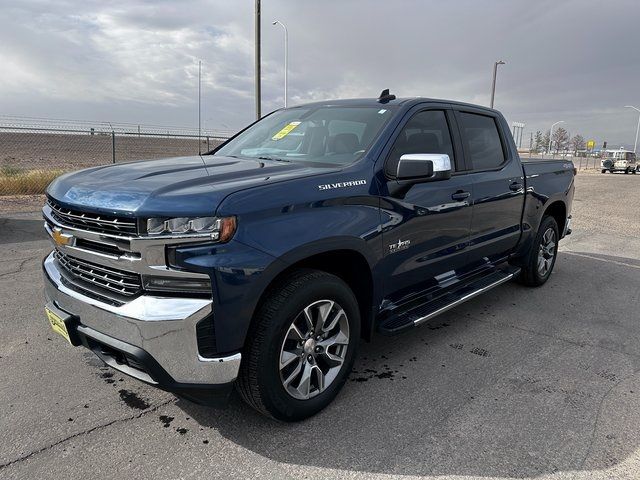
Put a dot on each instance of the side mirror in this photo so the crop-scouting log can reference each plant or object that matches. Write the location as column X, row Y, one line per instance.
column 423, row 167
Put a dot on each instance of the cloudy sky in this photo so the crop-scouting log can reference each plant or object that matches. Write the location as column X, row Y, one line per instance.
column 137, row 61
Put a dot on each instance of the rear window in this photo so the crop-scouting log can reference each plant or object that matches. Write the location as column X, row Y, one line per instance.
column 482, row 141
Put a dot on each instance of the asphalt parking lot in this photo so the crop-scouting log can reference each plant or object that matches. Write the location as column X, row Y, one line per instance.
column 518, row 383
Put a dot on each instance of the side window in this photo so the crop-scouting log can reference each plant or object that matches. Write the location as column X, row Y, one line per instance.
column 425, row 132
column 482, row 141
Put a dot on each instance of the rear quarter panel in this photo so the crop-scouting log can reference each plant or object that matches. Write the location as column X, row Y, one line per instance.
column 546, row 182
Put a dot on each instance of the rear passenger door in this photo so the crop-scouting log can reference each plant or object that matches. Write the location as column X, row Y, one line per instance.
column 498, row 184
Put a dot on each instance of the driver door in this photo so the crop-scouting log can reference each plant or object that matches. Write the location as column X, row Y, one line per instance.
column 425, row 230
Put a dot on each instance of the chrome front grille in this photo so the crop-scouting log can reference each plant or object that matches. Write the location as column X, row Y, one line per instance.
column 93, row 222
column 120, row 282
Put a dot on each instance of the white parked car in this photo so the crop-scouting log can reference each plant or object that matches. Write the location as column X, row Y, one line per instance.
column 619, row 161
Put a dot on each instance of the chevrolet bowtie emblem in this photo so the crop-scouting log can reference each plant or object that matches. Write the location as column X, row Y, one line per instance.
column 61, row 238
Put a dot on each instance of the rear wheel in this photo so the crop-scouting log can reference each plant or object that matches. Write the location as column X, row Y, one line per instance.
column 301, row 347
column 542, row 256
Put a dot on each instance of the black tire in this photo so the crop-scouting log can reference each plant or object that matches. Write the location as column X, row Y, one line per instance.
column 259, row 382
column 603, row 170
column 530, row 274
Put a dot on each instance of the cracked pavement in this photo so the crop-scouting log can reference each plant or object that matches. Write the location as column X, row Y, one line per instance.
column 518, row 383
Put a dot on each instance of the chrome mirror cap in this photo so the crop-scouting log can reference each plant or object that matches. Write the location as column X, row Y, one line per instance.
column 441, row 162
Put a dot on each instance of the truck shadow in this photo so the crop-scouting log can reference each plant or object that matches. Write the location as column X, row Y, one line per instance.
column 518, row 383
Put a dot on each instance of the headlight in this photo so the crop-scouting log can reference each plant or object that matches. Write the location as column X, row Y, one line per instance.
column 221, row 229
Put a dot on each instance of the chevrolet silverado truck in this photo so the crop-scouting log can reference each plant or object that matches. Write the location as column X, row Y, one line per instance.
column 262, row 264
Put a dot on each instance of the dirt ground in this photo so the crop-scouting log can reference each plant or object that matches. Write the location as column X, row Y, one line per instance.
column 20, row 203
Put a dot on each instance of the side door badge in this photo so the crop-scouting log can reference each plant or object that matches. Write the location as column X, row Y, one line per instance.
column 399, row 245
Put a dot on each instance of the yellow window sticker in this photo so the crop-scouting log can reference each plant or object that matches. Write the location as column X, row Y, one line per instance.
column 286, row 130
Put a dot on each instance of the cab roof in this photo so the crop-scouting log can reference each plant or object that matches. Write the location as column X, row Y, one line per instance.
column 375, row 102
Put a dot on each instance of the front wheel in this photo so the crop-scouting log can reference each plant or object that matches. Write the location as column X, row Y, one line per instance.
column 542, row 256
column 301, row 346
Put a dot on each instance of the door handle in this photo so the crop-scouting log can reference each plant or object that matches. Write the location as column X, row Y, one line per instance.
column 515, row 186
column 460, row 195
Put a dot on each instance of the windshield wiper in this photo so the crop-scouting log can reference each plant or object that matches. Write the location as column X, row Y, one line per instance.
column 275, row 159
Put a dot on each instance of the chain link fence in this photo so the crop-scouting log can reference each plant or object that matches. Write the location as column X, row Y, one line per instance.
column 35, row 151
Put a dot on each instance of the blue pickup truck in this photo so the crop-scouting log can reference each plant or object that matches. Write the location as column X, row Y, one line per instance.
column 263, row 263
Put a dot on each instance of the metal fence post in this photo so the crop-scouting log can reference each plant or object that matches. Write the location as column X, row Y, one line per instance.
column 113, row 146
column 208, row 147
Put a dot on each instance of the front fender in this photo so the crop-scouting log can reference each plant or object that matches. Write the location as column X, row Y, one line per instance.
column 240, row 274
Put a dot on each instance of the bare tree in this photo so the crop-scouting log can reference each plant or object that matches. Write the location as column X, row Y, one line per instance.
column 560, row 139
column 577, row 143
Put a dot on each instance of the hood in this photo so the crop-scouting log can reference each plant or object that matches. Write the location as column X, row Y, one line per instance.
column 179, row 186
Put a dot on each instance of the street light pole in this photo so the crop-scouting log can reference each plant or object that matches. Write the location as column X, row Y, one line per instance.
column 257, row 60
column 493, row 84
column 635, row 145
column 286, row 57
column 551, row 135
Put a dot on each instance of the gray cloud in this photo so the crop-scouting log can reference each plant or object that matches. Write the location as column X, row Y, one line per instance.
column 571, row 60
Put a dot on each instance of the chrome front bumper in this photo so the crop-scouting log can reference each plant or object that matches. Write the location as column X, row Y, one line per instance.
column 163, row 327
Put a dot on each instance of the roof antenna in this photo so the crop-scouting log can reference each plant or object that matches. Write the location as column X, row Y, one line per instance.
column 385, row 96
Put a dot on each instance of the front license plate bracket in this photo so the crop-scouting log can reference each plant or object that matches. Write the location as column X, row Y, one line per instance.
column 63, row 323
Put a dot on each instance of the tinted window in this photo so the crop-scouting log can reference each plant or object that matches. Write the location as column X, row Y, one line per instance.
column 425, row 132
column 482, row 140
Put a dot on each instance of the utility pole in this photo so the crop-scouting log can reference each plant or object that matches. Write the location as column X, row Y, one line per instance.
column 199, row 104
column 493, row 84
column 257, row 59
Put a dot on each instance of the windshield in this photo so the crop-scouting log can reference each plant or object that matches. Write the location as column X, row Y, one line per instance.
column 317, row 134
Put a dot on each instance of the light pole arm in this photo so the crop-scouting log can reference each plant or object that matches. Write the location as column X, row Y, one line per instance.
column 635, row 145
column 551, row 135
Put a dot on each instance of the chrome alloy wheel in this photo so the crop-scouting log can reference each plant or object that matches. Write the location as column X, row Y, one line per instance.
column 546, row 251
column 314, row 349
